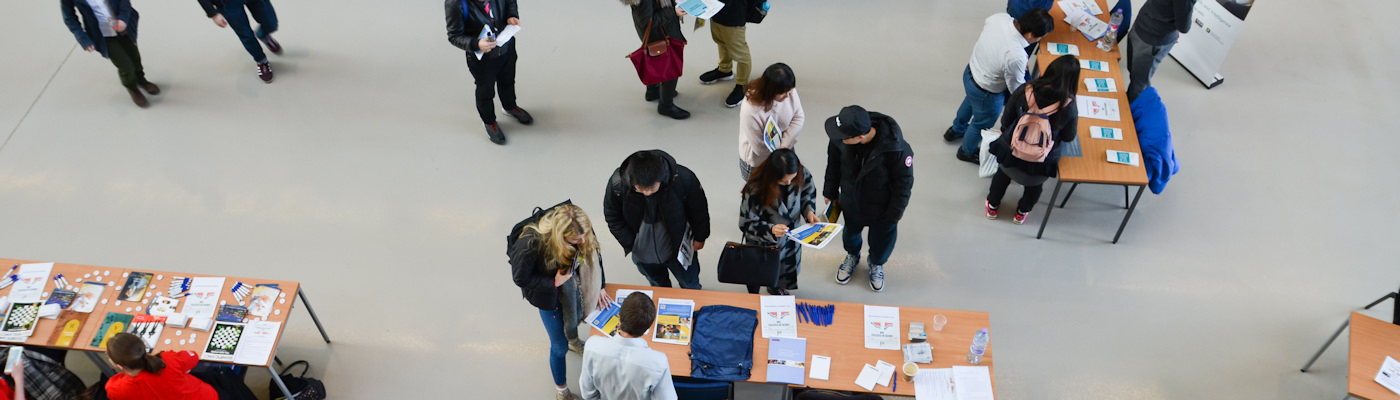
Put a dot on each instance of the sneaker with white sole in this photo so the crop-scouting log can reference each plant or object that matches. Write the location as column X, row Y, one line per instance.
column 848, row 267
column 265, row 72
column 715, row 75
column 1020, row 217
column 566, row 395
column 991, row 211
column 877, row 277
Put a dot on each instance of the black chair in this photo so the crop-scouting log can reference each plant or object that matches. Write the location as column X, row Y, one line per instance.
column 688, row 388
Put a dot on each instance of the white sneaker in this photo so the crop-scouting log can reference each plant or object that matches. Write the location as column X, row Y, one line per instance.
column 848, row 267
column 877, row 278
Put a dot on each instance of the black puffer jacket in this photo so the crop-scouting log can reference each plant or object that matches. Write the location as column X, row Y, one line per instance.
column 681, row 200
column 666, row 23
column 528, row 270
column 1064, row 125
column 463, row 32
column 876, row 189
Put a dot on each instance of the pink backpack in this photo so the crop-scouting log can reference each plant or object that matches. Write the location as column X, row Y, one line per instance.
column 1032, row 139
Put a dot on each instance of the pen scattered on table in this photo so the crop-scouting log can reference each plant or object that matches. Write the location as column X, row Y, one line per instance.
column 816, row 315
column 10, row 277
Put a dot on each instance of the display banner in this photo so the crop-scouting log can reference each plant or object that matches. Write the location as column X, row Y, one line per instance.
column 1202, row 50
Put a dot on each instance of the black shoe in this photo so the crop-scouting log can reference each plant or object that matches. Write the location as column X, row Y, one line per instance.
column 673, row 112
column 972, row 158
column 655, row 94
column 149, row 87
column 951, row 136
column 520, row 115
column 715, row 76
column 735, row 97
column 494, row 130
column 138, row 98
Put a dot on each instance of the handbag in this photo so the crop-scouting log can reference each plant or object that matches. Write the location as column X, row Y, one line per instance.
column 658, row 61
column 749, row 264
column 302, row 388
column 988, row 161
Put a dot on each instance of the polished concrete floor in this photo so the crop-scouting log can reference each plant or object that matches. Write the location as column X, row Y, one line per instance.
column 364, row 173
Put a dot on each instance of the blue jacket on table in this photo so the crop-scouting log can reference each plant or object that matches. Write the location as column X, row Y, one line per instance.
column 1155, row 136
column 88, row 32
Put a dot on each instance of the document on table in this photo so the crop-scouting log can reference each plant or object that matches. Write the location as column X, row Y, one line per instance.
column 203, row 300
column 705, row 9
column 1099, row 132
column 821, row 367
column 1061, row 49
column 1087, row 6
column 1389, row 375
column 1123, row 157
column 779, row 316
column 1092, row 28
column 972, row 383
column 673, row 321
column 256, row 345
column 29, row 282
column 785, row 357
column 1098, row 108
column 623, row 293
column 1094, row 65
column 1101, row 85
column 867, row 378
column 886, row 372
column 934, row 384
column 881, row 327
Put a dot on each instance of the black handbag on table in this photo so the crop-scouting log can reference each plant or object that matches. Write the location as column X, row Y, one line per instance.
column 749, row 264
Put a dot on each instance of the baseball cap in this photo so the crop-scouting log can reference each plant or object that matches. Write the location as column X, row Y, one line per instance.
column 851, row 122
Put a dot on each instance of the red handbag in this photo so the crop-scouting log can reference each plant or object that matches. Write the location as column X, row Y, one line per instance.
column 658, row 61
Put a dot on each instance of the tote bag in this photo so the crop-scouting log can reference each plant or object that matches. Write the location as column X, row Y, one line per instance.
column 658, row 61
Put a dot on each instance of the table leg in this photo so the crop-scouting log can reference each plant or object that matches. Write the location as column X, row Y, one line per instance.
column 102, row 364
column 314, row 318
column 1125, row 196
column 1131, row 207
column 1325, row 345
column 1053, row 195
column 1070, row 193
column 278, row 379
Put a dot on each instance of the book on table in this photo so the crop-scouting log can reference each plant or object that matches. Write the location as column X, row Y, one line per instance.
column 786, row 358
column 673, row 319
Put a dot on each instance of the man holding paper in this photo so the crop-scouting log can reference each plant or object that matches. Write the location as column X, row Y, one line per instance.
column 998, row 64
column 622, row 367
column 475, row 26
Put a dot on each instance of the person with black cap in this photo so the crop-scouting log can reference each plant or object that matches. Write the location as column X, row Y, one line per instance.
column 869, row 173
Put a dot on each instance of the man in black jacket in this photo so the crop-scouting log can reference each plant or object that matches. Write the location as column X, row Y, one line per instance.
column 731, row 37
column 229, row 14
column 869, row 172
column 109, row 28
column 657, row 210
column 473, row 30
column 1159, row 23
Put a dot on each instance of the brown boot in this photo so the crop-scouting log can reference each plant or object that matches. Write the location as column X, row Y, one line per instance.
column 138, row 98
column 149, row 87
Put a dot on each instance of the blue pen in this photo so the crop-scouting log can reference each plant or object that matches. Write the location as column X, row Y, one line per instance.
column 799, row 312
column 895, row 387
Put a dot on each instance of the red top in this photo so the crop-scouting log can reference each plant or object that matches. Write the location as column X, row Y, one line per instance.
column 5, row 392
column 172, row 383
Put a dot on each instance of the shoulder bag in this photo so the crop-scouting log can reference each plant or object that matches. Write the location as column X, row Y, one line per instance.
column 658, row 61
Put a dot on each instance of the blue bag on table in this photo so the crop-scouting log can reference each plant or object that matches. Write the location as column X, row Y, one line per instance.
column 721, row 346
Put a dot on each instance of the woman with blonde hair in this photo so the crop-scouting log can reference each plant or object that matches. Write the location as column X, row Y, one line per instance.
column 550, row 252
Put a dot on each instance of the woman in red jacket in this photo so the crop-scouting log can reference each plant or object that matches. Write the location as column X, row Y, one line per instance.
column 153, row 377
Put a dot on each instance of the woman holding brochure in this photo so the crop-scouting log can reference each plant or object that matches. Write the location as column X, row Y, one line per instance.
column 771, row 97
column 548, row 253
column 779, row 195
column 1053, row 93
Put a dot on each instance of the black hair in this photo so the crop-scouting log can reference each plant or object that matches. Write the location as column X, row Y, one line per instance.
column 636, row 314
column 763, row 181
column 645, row 168
column 1036, row 22
column 776, row 79
column 1059, row 82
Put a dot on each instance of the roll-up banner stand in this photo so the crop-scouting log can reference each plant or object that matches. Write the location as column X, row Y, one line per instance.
column 1202, row 50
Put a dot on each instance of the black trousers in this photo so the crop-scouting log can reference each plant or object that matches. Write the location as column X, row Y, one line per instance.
column 492, row 74
column 1029, row 197
column 666, row 90
column 122, row 51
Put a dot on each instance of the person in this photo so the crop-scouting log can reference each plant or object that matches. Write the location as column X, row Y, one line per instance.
column 998, row 64
column 230, row 14
column 547, row 254
column 146, row 376
column 1018, row 7
column 664, row 24
column 780, row 195
column 1053, row 93
column 109, row 28
column 869, row 173
column 730, row 36
column 773, row 95
column 657, row 210
column 1159, row 23
column 496, row 66
column 622, row 367
column 16, row 392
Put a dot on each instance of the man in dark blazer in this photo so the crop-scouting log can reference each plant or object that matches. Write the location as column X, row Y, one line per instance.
column 108, row 27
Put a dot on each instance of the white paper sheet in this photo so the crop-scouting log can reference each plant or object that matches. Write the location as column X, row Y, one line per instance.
column 29, row 288
column 881, row 327
column 934, row 384
column 867, row 378
column 1098, row 108
column 1090, row 26
column 1123, row 157
column 1389, row 375
column 886, row 372
column 507, row 34
column 1088, row 6
column 1101, row 85
column 821, row 367
column 256, row 345
column 779, row 316
column 704, row 9
column 1094, row 65
column 623, row 293
column 1099, row 132
column 1061, row 49
column 203, row 300
column 972, row 383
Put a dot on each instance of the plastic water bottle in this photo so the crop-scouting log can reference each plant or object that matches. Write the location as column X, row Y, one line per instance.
column 1110, row 39
column 979, row 347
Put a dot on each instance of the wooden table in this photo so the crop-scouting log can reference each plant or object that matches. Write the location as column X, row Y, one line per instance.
column 843, row 340
column 1370, row 342
column 172, row 339
column 1093, row 167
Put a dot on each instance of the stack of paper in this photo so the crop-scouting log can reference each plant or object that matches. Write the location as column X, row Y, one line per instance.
column 1093, row 65
column 1099, row 132
column 1123, row 157
column 785, row 356
column 1101, row 85
column 972, row 383
column 934, row 384
column 1090, row 26
column 673, row 318
column 821, row 367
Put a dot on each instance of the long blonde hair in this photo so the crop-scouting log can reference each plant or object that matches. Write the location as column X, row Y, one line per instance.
column 554, row 229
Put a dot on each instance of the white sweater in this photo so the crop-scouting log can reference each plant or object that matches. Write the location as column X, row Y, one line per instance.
column 787, row 114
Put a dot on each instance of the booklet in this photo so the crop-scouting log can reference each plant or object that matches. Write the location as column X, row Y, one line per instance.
column 705, row 9
column 1098, row 108
column 1389, row 376
column 65, row 331
column 87, row 297
column 673, row 318
column 256, row 343
column 203, row 300
column 815, row 235
column 148, row 328
column 163, row 306
column 113, row 324
column 19, row 322
column 785, row 360
column 1100, row 85
column 1060, row 49
column 1089, row 25
column 223, row 342
column 1093, row 65
column 1099, row 132
column 261, row 300
column 881, row 327
column 61, row 297
column 135, row 288
column 772, row 135
column 606, row 320
column 1123, row 157
column 29, row 282
column 778, row 316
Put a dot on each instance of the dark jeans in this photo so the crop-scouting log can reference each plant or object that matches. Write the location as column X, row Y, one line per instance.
column 124, row 54
column 1143, row 59
column 667, row 92
column 491, row 74
column 558, row 344
column 689, row 278
column 262, row 12
column 1034, row 185
column 882, row 238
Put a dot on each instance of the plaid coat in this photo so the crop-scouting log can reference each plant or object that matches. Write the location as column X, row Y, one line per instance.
column 756, row 222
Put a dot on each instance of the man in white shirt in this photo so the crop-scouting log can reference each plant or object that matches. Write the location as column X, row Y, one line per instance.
column 623, row 367
column 998, row 65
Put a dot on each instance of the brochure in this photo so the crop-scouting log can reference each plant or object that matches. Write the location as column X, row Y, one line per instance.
column 704, row 9
column 223, row 342
column 1092, row 27
column 1100, row 85
column 163, row 306
column 19, row 322
column 1123, row 157
column 66, row 329
column 148, row 328
column 1093, row 65
column 203, row 300
column 1389, row 376
column 261, row 301
column 881, row 327
column 1099, row 132
column 1061, row 49
column 1098, row 108
column 87, row 297
column 135, row 288
column 61, row 297
column 673, row 318
column 772, row 135
column 816, row 235
column 785, row 360
column 112, row 324
column 606, row 320
column 29, row 282
column 778, row 316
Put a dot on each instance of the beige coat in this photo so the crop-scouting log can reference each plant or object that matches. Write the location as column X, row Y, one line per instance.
column 787, row 114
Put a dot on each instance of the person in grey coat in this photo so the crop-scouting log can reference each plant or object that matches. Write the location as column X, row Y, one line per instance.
column 665, row 20
column 779, row 196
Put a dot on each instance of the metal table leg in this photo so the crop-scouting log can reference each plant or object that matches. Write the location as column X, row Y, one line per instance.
column 1131, row 207
column 107, row 369
column 1125, row 196
column 302, row 295
column 278, row 379
column 1053, row 195
column 1067, row 194
column 1325, row 345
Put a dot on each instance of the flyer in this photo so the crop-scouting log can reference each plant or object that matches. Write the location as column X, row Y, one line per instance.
column 29, row 282
column 1098, row 108
column 772, row 135
column 606, row 320
column 816, row 235
column 87, row 297
column 1099, row 132
column 881, row 327
column 203, row 300
column 778, row 316
column 673, row 318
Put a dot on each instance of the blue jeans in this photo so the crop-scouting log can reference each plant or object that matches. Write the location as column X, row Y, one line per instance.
column 882, row 238
column 688, row 278
column 262, row 12
column 979, row 110
column 558, row 345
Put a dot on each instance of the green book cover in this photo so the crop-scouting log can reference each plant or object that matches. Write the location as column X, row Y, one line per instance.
column 113, row 324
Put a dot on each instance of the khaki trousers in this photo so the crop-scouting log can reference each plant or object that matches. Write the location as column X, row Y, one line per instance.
column 733, row 49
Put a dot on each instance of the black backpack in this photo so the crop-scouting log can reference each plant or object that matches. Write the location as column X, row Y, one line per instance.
column 758, row 9
column 520, row 226
column 302, row 388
